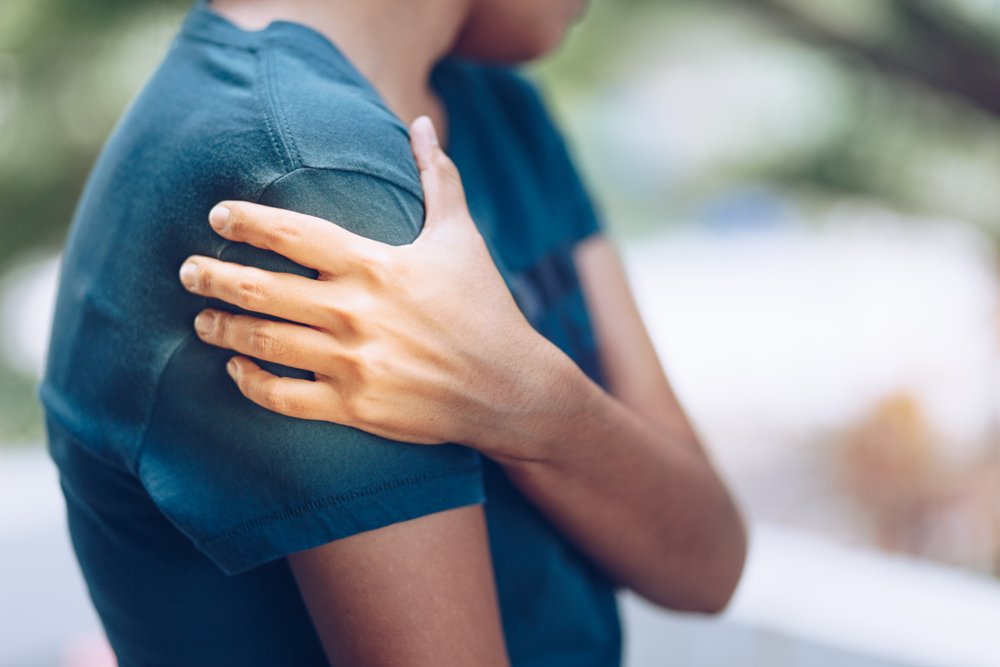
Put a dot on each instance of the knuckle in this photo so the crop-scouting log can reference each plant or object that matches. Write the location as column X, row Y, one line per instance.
column 339, row 315
column 287, row 404
column 442, row 162
column 374, row 265
column 237, row 222
column 354, row 409
column 280, row 233
column 205, row 279
column 449, row 176
column 351, row 375
column 273, row 398
column 353, row 367
column 262, row 339
column 370, row 412
column 360, row 307
column 221, row 327
column 349, row 409
column 371, row 369
column 333, row 309
column 250, row 294
column 374, row 368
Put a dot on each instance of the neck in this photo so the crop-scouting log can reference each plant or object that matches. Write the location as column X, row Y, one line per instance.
column 395, row 45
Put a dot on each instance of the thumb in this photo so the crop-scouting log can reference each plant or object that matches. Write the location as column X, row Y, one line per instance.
column 444, row 198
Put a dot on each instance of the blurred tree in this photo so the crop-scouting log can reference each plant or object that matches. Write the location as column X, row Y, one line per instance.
column 934, row 46
column 920, row 120
column 66, row 71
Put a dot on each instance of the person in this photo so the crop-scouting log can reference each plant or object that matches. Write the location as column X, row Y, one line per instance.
column 458, row 440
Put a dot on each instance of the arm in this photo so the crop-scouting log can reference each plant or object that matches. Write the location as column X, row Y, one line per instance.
column 623, row 474
column 424, row 343
column 397, row 595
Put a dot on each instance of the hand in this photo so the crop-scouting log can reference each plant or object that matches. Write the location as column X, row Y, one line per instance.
column 421, row 343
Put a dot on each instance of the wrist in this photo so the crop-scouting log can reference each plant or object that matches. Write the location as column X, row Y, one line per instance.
column 547, row 397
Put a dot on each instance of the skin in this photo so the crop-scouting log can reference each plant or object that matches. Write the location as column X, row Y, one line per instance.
column 395, row 44
column 423, row 343
column 395, row 596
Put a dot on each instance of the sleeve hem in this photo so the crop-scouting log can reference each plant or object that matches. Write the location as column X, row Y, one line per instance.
column 330, row 518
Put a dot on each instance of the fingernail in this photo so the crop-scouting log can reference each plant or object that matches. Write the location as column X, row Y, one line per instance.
column 189, row 275
column 218, row 217
column 425, row 126
column 204, row 323
column 233, row 368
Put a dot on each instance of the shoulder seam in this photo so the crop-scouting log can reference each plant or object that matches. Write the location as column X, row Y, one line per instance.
column 136, row 461
column 273, row 118
column 185, row 37
column 346, row 170
column 279, row 109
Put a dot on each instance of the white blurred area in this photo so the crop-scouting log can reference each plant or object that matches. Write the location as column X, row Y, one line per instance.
column 846, row 376
column 27, row 299
column 799, row 330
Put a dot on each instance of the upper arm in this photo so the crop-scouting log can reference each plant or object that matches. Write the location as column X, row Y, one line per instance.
column 419, row 592
column 248, row 485
column 629, row 360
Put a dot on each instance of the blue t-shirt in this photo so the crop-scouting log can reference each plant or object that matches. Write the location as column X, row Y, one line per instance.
column 184, row 497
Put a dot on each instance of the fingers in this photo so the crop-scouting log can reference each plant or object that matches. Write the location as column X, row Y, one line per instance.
column 307, row 240
column 284, row 295
column 278, row 342
column 303, row 399
column 444, row 198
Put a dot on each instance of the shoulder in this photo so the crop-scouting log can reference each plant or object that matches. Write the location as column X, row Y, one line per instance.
column 330, row 118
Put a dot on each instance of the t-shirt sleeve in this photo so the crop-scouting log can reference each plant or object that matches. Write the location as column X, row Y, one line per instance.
column 248, row 485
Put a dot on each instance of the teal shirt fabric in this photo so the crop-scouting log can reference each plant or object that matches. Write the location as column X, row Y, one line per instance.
column 182, row 496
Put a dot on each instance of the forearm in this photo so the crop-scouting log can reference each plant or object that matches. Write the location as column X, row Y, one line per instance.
column 647, row 507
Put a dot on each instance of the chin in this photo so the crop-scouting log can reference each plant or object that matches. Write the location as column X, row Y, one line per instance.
column 517, row 48
column 513, row 31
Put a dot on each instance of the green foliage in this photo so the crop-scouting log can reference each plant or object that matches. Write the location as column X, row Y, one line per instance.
column 20, row 412
column 917, row 101
column 66, row 71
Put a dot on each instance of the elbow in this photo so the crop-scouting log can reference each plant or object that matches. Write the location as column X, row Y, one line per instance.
column 720, row 590
column 721, row 581
column 716, row 600
column 716, row 576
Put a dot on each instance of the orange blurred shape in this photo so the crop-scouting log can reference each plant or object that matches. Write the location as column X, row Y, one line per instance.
column 915, row 501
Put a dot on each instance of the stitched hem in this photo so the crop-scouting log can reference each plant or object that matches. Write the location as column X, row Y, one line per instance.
column 325, row 520
column 334, row 500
